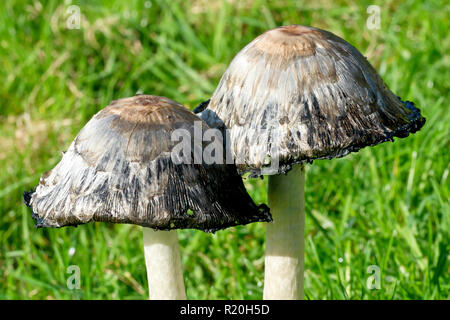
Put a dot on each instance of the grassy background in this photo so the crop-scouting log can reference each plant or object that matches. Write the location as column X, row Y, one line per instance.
column 385, row 206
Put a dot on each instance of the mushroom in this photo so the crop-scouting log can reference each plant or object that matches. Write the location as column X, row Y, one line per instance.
column 123, row 167
column 293, row 95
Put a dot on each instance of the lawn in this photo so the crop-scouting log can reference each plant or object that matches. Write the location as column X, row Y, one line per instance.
column 381, row 212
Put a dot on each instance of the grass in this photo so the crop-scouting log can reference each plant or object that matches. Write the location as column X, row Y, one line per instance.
column 385, row 207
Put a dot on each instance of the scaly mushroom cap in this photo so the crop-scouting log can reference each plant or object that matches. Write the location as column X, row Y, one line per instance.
column 119, row 169
column 298, row 93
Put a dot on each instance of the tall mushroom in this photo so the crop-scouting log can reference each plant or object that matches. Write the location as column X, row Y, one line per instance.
column 124, row 167
column 295, row 94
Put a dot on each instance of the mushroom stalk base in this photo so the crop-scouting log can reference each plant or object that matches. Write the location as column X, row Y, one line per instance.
column 285, row 245
column 163, row 261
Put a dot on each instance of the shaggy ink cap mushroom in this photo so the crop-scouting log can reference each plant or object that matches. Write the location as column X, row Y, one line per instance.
column 292, row 95
column 298, row 93
column 119, row 169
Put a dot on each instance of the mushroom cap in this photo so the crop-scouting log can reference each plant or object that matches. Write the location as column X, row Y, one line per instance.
column 296, row 93
column 119, row 169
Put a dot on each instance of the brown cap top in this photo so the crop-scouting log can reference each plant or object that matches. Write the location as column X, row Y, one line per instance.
column 119, row 169
column 299, row 93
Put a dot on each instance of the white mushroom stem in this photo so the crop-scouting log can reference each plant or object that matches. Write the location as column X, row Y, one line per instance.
column 163, row 261
column 285, row 245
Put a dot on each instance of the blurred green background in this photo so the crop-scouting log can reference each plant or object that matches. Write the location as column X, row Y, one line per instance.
column 386, row 206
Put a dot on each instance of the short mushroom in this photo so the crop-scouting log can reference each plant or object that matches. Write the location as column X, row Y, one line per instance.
column 293, row 95
column 122, row 168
